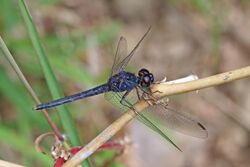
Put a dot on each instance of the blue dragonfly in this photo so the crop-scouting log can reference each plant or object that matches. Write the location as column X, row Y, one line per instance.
column 121, row 89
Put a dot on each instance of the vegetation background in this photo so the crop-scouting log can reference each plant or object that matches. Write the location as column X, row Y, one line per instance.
column 79, row 37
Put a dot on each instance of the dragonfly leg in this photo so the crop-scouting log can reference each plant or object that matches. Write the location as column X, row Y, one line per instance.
column 144, row 91
column 157, row 91
column 123, row 100
column 138, row 93
column 126, row 103
column 146, row 95
column 150, row 99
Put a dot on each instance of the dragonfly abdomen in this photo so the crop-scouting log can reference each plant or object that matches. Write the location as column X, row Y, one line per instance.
column 91, row 92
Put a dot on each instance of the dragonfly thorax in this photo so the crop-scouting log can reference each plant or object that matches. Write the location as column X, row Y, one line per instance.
column 123, row 81
column 146, row 78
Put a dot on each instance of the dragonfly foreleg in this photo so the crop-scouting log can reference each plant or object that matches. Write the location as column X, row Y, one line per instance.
column 150, row 99
column 147, row 96
column 157, row 91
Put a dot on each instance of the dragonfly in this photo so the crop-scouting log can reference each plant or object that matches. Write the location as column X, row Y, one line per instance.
column 119, row 87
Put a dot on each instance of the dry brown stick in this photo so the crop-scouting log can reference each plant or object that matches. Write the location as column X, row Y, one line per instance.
column 201, row 83
column 214, row 80
column 162, row 90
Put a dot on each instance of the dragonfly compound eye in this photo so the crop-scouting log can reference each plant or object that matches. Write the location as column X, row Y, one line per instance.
column 146, row 81
column 143, row 72
column 151, row 78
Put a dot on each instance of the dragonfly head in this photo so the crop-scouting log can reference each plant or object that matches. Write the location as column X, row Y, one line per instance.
column 146, row 78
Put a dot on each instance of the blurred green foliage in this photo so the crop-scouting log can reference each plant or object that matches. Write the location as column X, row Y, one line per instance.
column 20, row 131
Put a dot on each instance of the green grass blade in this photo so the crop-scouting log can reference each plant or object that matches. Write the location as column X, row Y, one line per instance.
column 64, row 115
column 45, row 64
column 50, row 78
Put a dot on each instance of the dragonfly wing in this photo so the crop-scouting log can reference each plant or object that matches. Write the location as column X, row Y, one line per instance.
column 115, row 98
column 146, row 121
column 121, row 52
column 120, row 63
column 176, row 120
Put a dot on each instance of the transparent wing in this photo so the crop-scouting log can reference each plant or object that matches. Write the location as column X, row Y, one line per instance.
column 115, row 98
column 176, row 120
column 121, row 52
column 120, row 63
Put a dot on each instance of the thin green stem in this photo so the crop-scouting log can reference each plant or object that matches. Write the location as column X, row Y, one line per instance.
column 65, row 116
